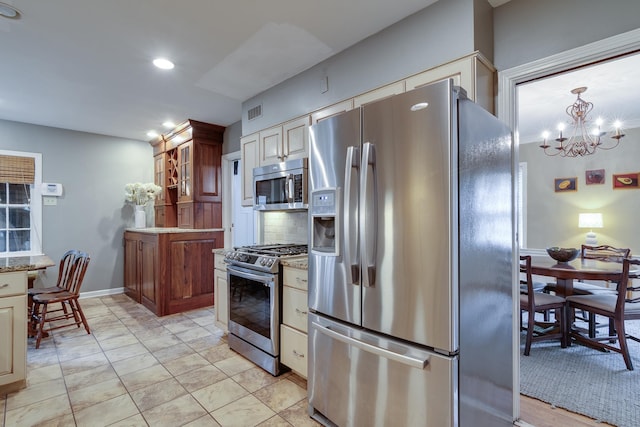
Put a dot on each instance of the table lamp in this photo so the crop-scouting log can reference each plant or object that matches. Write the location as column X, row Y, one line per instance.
column 590, row 221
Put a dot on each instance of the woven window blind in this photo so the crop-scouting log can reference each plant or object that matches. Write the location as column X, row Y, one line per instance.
column 17, row 170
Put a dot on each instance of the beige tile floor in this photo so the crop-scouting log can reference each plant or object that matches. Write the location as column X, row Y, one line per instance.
column 136, row 369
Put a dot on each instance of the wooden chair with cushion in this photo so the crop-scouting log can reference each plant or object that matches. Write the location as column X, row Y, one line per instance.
column 70, row 314
column 601, row 253
column 538, row 302
column 617, row 307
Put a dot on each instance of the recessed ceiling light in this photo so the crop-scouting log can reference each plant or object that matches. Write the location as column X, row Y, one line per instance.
column 163, row 63
column 169, row 124
column 152, row 134
column 8, row 11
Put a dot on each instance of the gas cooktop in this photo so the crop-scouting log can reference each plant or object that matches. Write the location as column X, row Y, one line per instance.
column 263, row 257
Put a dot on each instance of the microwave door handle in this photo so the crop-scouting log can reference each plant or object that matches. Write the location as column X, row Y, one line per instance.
column 352, row 162
column 368, row 215
column 289, row 189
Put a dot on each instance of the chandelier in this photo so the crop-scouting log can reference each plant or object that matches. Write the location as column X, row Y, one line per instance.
column 583, row 142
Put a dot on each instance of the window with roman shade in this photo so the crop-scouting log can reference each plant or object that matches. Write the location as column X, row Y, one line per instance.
column 20, row 204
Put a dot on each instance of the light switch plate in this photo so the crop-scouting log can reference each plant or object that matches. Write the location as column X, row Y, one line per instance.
column 49, row 201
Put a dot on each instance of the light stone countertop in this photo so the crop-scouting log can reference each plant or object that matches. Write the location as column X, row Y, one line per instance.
column 301, row 263
column 25, row 263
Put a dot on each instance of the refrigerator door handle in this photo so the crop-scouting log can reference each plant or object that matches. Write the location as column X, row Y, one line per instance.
column 419, row 363
column 352, row 162
column 368, row 215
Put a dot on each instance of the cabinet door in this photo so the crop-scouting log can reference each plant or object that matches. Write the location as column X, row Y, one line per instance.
column 295, row 138
column 159, row 176
column 294, row 308
column 13, row 339
column 185, row 162
column 295, row 277
column 221, row 299
column 293, row 349
column 249, row 155
column 377, row 94
column 131, row 278
column 207, row 171
column 148, row 258
column 270, row 146
column 191, row 271
column 331, row 111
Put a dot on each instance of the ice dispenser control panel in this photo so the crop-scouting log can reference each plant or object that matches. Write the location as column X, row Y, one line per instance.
column 325, row 221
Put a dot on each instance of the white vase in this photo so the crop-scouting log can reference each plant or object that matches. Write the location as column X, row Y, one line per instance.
column 140, row 216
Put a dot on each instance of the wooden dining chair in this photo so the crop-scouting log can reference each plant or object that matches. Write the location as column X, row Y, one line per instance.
column 70, row 313
column 538, row 302
column 64, row 272
column 617, row 307
column 605, row 253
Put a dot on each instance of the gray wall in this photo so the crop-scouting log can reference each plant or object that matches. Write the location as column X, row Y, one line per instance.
column 439, row 33
column 92, row 213
column 232, row 136
column 552, row 218
column 526, row 30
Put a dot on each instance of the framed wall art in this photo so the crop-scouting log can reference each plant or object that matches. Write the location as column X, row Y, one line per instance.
column 565, row 184
column 625, row 180
column 595, row 176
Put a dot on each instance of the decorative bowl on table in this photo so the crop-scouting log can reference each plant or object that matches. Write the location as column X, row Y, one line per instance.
column 563, row 254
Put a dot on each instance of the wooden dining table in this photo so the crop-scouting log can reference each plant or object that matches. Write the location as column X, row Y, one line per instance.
column 578, row 269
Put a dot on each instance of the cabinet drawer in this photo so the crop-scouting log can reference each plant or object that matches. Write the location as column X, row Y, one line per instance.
column 14, row 283
column 218, row 262
column 294, row 308
column 295, row 277
column 293, row 349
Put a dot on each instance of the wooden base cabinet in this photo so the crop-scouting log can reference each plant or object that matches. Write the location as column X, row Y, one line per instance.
column 221, row 292
column 293, row 331
column 13, row 331
column 170, row 271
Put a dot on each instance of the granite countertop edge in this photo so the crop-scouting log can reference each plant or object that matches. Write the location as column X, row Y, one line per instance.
column 24, row 263
column 302, row 264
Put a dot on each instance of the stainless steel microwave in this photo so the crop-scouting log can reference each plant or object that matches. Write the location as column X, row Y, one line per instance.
column 281, row 186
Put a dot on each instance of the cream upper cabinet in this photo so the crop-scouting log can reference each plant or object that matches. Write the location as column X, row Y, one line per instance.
column 13, row 331
column 285, row 142
column 332, row 110
column 249, row 155
column 270, row 146
column 473, row 73
column 295, row 140
column 376, row 94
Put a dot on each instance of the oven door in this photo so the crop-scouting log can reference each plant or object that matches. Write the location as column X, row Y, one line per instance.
column 254, row 308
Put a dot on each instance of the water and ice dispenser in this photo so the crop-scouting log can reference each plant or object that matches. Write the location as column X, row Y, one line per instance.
column 325, row 218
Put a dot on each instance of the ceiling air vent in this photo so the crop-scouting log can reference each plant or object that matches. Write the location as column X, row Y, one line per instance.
column 254, row 112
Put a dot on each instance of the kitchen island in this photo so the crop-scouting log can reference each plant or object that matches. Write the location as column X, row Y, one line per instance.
column 13, row 318
column 170, row 270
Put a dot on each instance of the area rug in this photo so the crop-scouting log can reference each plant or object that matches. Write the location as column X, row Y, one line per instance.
column 584, row 380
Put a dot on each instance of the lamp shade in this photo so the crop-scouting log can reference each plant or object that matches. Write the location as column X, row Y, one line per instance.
column 590, row 220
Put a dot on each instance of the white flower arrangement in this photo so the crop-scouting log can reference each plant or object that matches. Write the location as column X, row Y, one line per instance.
column 140, row 193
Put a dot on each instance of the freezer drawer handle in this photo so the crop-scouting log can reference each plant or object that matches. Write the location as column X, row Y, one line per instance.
column 382, row 352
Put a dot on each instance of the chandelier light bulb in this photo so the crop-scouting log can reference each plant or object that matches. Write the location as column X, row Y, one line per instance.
column 545, row 134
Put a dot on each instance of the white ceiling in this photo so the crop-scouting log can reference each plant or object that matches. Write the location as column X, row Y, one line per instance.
column 86, row 65
column 611, row 87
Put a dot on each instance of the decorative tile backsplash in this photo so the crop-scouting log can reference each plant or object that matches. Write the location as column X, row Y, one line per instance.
column 284, row 227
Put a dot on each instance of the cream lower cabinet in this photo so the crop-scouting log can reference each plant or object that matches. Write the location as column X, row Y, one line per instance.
column 221, row 292
column 293, row 331
column 13, row 331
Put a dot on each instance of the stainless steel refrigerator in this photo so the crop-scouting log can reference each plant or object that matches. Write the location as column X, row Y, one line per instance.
column 410, row 264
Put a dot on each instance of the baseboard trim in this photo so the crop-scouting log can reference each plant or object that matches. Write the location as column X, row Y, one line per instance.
column 101, row 293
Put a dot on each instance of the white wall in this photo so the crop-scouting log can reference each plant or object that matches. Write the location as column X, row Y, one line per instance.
column 92, row 213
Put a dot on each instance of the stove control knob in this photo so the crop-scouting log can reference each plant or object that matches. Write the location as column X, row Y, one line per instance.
column 270, row 262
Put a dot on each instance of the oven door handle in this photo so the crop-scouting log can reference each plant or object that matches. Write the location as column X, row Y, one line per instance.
column 243, row 273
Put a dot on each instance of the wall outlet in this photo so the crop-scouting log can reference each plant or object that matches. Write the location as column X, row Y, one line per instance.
column 49, row 201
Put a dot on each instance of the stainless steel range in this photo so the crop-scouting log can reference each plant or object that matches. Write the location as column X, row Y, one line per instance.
column 254, row 276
